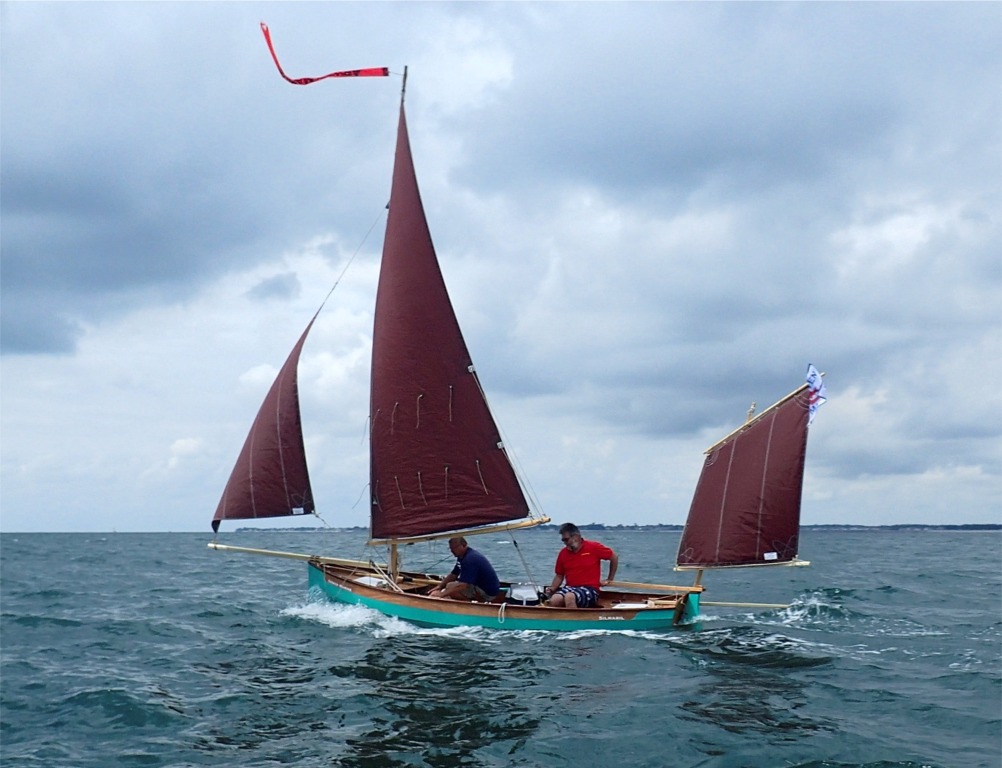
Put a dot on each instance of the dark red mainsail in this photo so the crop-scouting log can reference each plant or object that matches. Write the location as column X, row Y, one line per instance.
column 746, row 508
column 270, row 478
column 437, row 462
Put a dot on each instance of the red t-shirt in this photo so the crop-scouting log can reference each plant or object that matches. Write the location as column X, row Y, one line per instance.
column 584, row 567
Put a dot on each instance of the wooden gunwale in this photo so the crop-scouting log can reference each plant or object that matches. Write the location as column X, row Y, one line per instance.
column 413, row 584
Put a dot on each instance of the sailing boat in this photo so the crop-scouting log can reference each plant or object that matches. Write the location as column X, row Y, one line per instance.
column 438, row 467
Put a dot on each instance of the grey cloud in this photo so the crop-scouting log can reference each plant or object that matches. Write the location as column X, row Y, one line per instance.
column 667, row 211
column 282, row 286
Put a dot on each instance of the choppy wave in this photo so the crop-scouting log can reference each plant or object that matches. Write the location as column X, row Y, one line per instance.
column 128, row 656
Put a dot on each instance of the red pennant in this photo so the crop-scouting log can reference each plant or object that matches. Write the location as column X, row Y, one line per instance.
column 370, row 72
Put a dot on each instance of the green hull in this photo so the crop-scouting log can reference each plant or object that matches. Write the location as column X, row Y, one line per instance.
column 432, row 612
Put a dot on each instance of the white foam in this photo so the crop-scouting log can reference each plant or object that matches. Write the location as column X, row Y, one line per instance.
column 337, row 615
column 343, row 615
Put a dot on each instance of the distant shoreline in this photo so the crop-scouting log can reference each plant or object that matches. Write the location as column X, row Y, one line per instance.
column 603, row 527
column 965, row 528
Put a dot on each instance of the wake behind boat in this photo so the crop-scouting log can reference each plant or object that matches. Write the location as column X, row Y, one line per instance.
column 439, row 469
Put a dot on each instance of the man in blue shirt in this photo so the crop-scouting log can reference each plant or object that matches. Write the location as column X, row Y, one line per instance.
column 473, row 578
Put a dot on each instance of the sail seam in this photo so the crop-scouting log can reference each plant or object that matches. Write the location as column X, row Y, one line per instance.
column 250, row 469
column 761, row 494
column 723, row 499
column 278, row 434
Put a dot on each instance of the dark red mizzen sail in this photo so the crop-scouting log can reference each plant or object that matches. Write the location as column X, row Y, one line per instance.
column 437, row 463
column 746, row 508
column 270, row 478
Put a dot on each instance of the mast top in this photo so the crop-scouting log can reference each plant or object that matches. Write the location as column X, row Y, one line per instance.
column 403, row 86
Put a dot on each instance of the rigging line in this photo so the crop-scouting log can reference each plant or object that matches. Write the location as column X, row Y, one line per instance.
column 440, row 560
column 352, row 258
column 360, row 495
column 389, row 581
column 520, row 474
column 525, row 565
column 318, row 517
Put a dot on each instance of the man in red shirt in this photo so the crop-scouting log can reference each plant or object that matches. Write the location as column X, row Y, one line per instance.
column 579, row 569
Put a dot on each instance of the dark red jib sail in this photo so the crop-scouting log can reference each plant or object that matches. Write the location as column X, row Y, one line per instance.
column 437, row 463
column 746, row 508
column 270, row 478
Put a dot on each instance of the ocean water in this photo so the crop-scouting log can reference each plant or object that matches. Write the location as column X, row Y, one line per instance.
column 152, row 650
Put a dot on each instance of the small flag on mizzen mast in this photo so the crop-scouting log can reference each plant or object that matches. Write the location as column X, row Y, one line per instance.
column 817, row 394
column 370, row 72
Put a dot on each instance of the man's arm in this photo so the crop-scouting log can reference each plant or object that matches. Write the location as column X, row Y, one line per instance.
column 613, row 565
column 442, row 584
column 554, row 585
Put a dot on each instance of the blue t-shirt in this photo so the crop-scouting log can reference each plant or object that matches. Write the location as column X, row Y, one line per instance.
column 477, row 570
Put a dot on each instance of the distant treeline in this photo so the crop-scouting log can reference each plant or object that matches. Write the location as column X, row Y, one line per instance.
column 603, row 527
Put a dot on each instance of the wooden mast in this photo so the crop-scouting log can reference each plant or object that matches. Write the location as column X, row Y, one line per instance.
column 394, row 558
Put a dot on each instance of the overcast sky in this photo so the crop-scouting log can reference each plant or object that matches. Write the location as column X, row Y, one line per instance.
column 649, row 215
